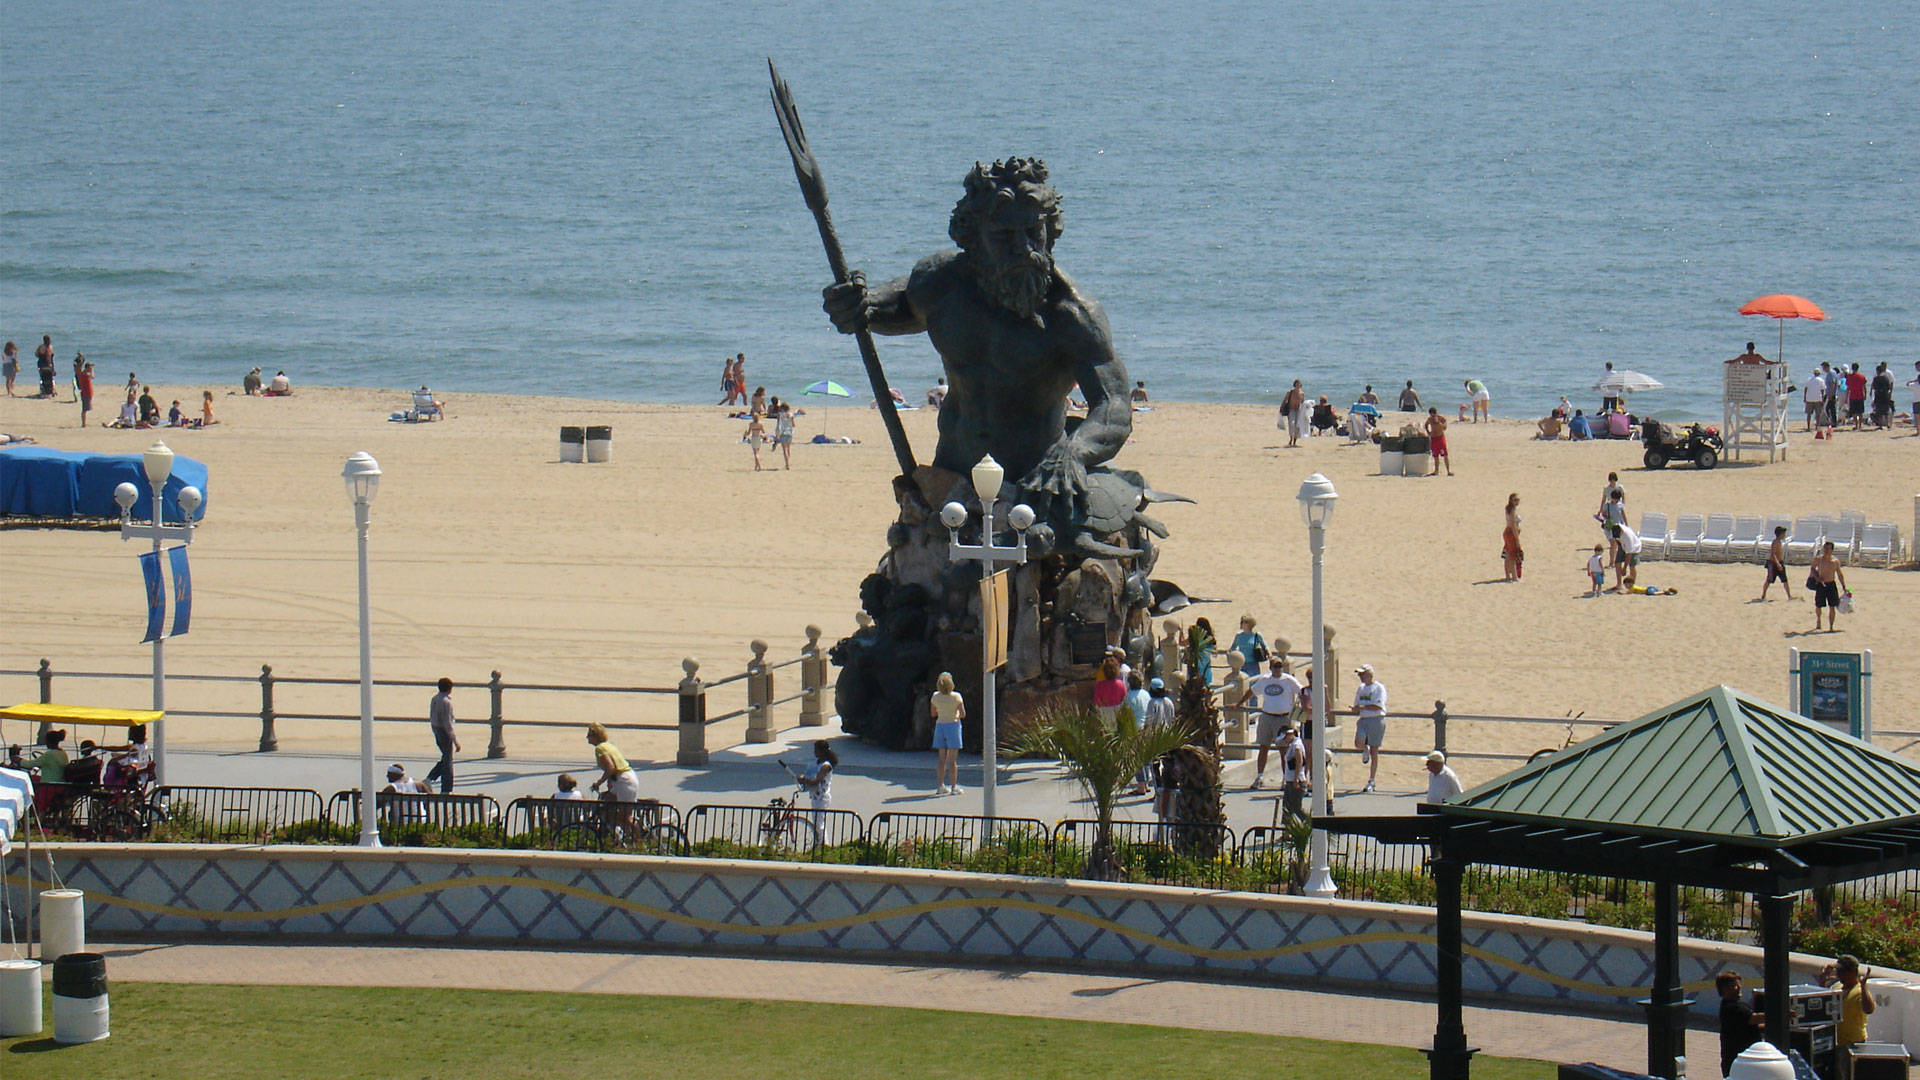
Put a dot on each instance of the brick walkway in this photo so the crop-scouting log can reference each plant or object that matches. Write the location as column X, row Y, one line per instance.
column 1216, row 1006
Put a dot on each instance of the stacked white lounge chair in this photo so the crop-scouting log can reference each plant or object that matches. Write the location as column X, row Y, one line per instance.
column 1747, row 538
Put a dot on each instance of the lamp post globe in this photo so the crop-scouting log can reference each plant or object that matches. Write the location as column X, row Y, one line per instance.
column 157, row 462
column 953, row 515
column 1761, row 1061
column 189, row 499
column 1316, row 501
column 125, row 494
column 362, row 476
column 987, row 478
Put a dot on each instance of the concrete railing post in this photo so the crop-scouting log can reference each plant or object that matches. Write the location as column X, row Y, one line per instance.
column 759, row 695
column 1233, row 701
column 269, row 741
column 46, row 695
column 813, row 680
column 1440, row 726
column 496, row 718
column 693, row 716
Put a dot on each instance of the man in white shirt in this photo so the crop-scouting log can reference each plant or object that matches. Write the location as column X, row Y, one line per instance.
column 1626, row 564
column 1814, row 395
column 1273, row 696
column 1442, row 784
column 1370, row 729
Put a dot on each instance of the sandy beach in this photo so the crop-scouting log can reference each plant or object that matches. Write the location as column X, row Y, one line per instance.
column 487, row 552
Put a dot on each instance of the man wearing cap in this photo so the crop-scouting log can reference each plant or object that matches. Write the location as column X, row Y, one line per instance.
column 1273, row 695
column 1370, row 730
column 399, row 783
column 1442, row 784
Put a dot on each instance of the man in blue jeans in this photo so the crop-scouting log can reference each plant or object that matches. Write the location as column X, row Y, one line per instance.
column 440, row 719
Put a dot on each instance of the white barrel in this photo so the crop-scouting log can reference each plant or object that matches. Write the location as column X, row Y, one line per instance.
column 1416, row 464
column 63, row 923
column 573, row 444
column 20, row 998
column 1390, row 462
column 599, row 444
column 79, row 1020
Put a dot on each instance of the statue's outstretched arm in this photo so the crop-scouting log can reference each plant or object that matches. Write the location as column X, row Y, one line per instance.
column 883, row 309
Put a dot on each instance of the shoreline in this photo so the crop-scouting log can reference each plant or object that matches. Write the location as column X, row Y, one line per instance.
column 488, row 553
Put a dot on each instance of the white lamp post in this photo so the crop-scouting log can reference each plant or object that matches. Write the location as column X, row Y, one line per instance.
column 987, row 478
column 362, row 475
column 157, row 463
column 1316, row 508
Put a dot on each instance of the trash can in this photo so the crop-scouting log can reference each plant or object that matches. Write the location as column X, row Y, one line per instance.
column 573, row 444
column 80, row 998
column 600, row 444
column 20, row 998
column 1415, row 459
column 63, row 923
column 1391, row 447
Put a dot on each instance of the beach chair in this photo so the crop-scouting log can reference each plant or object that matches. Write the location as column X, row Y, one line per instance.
column 1684, row 544
column 1653, row 535
column 1746, row 545
column 425, row 407
column 1879, row 544
column 1845, row 534
column 1803, row 543
column 1713, row 542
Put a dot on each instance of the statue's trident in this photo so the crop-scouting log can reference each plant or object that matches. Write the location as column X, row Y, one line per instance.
column 814, row 189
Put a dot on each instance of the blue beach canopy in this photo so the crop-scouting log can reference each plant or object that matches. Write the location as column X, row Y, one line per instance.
column 40, row 482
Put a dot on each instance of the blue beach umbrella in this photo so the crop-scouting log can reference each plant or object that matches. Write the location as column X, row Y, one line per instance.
column 826, row 388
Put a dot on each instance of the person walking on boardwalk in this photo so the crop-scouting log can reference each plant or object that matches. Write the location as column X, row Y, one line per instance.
column 1370, row 724
column 440, row 719
column 948, row 710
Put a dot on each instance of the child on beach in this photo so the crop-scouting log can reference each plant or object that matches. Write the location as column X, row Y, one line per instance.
column 1597, row 570
column 756, row 434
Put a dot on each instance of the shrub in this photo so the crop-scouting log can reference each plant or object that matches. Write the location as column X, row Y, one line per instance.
column 1882, row 931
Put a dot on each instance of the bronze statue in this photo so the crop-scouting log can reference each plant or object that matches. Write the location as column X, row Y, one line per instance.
column 1014, row 332
column 1016, row 335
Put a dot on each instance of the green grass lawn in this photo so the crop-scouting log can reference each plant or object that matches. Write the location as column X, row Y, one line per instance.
column 182, row 1032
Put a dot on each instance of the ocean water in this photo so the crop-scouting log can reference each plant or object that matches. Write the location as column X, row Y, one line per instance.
column 593, row 198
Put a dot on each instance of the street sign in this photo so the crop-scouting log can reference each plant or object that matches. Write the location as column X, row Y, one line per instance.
column 1834, row 689
column 995, row 595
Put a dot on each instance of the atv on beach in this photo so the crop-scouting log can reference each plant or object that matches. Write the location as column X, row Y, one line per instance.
column 1697, row 443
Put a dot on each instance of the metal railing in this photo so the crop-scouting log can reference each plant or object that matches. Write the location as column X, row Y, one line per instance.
column 220, row 815
column 437, row 811
column 724, row 830
column 530, row 814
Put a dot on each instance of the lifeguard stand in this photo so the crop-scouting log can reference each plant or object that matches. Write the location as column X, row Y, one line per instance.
column 1756, row 394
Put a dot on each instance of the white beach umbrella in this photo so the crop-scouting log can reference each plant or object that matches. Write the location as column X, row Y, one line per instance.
column 1627, row 382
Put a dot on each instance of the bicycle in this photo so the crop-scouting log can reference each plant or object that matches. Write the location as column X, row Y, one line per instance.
column 623, row 828
column 784, row 827
column 1572, row 719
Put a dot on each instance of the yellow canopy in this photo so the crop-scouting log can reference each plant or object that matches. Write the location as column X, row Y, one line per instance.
column 80, row 714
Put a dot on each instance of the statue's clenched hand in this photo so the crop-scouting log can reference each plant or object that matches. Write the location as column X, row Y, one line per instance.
column 1059, row 482
column 846, row 303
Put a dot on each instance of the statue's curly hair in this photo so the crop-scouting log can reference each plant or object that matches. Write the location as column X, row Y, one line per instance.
column 1013, row 180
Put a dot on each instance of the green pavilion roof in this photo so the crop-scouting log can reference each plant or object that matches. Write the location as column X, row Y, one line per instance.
column 1718, row 765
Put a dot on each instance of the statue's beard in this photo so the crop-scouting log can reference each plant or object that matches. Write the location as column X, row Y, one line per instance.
column 1017, row 284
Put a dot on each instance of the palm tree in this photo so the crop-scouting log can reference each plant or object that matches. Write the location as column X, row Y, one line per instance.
column 1103, row 759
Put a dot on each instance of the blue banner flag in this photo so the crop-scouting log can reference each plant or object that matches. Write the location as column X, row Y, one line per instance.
column 182, row 590
column 156, row 595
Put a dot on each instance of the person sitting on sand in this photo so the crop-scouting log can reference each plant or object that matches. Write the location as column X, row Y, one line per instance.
column 176, row 418
column 149, row 408
column 1549, row 427
column 129, row 413
column 206, row 409
column 758, row 406
column 1578, row 428
column 1139, row 394
column 251, row 384
column 937, row 394
column 281, row 385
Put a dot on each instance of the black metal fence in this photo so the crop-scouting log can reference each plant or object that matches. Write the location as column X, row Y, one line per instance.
column 1260, row 859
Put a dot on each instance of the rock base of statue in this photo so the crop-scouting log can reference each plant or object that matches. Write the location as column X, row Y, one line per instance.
column 921, row 616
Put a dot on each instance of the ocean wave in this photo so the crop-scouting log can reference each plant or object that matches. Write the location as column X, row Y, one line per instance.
column 33, row 273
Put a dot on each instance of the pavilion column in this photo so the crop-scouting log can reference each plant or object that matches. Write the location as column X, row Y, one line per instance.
column 1450, row 1056
column 1667, row 1007
column 1776, row 924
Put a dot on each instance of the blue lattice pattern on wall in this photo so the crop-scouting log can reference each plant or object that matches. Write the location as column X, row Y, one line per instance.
column 928, row 916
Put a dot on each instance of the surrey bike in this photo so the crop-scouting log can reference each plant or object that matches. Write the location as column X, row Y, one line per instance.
column 608, row 825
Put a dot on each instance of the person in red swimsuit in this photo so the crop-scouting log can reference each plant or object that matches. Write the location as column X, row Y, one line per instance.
column 1437, row 436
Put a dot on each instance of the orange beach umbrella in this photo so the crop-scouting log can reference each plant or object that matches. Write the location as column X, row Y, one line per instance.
column 1781, row 306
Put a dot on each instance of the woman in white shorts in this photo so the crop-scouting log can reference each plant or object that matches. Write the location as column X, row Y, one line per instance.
column 615, row 773
column 948, row 710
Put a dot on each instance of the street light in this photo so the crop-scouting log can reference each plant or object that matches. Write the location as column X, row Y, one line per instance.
column 157, row 464
column 1316, row 509
column 987, row 478
column 362, row 475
